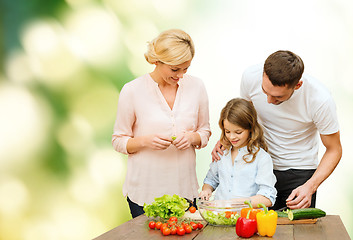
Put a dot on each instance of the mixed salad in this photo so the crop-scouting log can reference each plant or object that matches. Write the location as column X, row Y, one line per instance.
column 220, row 218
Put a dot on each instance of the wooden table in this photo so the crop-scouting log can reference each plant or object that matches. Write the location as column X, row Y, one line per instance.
column 329, row 227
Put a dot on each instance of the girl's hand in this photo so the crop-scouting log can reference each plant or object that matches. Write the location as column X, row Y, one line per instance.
column 157, row 142
column 205, row 194
column 183, row 141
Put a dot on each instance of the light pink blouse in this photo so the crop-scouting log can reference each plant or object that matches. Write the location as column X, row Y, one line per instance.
column 142, row 110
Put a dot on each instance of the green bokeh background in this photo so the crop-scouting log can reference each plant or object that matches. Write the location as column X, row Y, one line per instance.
column 63, row 63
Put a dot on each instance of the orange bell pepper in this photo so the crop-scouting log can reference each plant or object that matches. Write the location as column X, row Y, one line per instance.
column 253, row 211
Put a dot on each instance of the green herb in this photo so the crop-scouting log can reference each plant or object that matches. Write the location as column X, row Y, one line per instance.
column 166, row 207
column 173, row 138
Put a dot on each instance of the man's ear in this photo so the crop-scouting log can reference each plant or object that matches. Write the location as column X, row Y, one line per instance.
column 299, row 84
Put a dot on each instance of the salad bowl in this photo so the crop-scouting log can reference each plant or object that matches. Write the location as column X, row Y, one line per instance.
column 221, row 212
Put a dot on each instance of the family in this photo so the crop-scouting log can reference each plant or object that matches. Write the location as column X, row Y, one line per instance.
column 269, row 143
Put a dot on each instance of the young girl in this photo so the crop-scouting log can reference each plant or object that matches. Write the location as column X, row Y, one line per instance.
column 246, row 168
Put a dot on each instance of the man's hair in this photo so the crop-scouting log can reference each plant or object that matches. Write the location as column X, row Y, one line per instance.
column 284, row 68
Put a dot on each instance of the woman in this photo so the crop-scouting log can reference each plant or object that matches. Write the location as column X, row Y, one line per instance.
column 162, row 117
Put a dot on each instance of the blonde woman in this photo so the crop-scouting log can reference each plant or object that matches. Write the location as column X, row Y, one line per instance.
column 162, row 117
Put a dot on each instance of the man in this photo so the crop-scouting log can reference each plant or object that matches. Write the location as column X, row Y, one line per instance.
column 293, row 108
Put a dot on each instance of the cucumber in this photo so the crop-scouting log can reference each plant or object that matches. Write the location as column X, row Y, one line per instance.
column 305, row 213
column 282, row 214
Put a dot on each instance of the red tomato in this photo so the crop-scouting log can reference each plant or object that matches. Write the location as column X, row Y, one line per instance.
column 193, row 225
column 228, row 214
column 173, row 219
column 188, row 229
column 173, row 230
column 164, row 225
column 152, row 225
column 180, row 231
column 166, row 231
column 192, row 209
column 200, row 225
column 158, row 225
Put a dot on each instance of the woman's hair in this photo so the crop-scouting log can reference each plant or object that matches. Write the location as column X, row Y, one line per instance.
column 284, row 68
column 171, row 47
column 242, row 113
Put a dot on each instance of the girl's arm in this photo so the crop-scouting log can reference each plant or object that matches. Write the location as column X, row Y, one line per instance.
column 255, row 200
column 206, row 192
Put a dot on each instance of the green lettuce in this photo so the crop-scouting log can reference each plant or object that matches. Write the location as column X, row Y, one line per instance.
column 166, row 207
column 220, row 218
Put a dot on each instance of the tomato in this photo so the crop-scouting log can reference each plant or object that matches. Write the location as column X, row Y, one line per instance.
column 188, row 229
column 200, row 225
column 158, row 225
column 193, row 225
column 228, row 214
column 173, row 219
column 164, row 225
column 152, row 225
column 166, row 231
column 173, row 230
column 180, row 231
column 192, row 209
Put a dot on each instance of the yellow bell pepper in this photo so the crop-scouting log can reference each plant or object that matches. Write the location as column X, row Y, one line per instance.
column 266, row 221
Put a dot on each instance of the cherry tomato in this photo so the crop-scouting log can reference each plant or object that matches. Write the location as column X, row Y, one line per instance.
column 193, row 225
column 228, row 214
column 192, row 209
column 166, row 231
column 173, row 230
column 188, row 229
column 173, row 219
column 200, row 225
column 158, row 225
column 164, row 225
column 180, row 231
column 152, row 225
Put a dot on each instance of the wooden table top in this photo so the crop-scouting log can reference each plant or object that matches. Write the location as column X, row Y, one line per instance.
column 329, row 227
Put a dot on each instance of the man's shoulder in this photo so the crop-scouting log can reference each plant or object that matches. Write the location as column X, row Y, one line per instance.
column 315, row 90
column 254, row 71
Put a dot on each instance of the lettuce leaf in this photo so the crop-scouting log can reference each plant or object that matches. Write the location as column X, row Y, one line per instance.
column 166, row 206
column 220, row 218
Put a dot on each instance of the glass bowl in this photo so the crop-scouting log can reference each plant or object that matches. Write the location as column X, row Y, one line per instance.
column 221, row 212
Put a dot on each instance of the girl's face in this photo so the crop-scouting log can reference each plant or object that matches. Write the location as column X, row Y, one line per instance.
column 171, row 74
column 236, row 135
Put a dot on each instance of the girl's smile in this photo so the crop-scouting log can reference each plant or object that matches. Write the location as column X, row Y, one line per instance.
column 236, row 135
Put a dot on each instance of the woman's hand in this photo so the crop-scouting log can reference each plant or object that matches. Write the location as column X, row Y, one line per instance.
column 184, row 140
column 157, row 142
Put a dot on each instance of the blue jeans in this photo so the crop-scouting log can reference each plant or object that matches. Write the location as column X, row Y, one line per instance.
column 135, row 209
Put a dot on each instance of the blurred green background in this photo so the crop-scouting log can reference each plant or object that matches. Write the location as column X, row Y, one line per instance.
column 63, row 63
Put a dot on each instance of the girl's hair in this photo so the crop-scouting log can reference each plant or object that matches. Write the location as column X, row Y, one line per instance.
column 242, row 113
column 171, row 47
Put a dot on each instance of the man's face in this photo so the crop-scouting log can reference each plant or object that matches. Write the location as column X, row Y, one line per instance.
column 277, row 94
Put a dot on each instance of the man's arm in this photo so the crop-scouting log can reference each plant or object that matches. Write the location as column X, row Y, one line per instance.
column 301, row 196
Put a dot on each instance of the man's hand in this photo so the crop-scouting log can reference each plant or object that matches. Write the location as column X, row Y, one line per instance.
column 205, row 194
column 217, row 149
column 300, row 197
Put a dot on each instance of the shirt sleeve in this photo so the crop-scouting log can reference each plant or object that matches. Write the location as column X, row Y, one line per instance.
column 325, row 118
column 203, row 126
column 124, row 121
column 244, row 88
column 212, row 177
column 265, row 177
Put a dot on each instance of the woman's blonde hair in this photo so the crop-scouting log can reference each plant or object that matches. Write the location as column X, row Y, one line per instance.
column 172, row 47
column 242, row 113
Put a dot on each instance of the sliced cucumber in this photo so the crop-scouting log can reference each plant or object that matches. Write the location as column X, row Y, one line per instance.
column 282, row 213
column 305, row 213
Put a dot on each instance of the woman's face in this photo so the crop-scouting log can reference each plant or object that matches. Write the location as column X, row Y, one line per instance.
column 171, row 74
column 236, row 135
